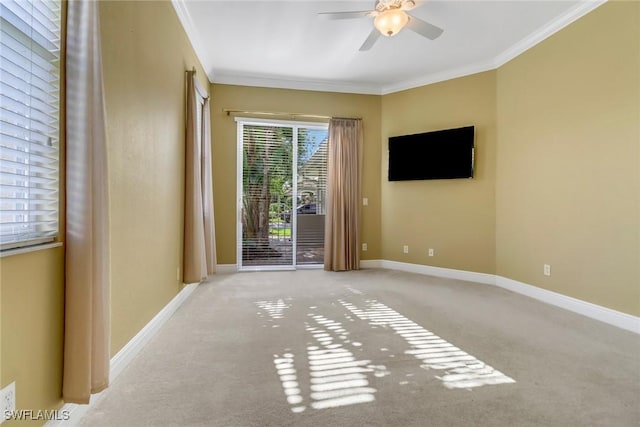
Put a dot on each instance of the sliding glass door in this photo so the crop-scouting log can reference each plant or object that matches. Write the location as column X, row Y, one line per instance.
column 281, row 194
column 311, row 195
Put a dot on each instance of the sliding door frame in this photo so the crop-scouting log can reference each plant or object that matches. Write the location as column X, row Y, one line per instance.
column 294, row 125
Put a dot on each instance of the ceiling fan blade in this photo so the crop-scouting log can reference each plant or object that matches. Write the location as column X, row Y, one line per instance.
column 423, row 28
column 370, row 41
column 345, row 15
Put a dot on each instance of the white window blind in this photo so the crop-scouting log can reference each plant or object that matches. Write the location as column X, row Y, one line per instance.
column 29, row 121
column 267, row 191
column 312, row 193
column 282, row 190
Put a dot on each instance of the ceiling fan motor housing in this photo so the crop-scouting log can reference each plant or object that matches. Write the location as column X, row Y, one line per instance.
column 382, row 5
column 390, row 17
column 390, row 21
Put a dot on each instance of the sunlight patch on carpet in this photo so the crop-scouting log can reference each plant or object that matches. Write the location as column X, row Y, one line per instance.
column 337, row 374
column 461, row 370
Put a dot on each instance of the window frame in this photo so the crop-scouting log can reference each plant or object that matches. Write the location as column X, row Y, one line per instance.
column 44, row 16
column 295, row 125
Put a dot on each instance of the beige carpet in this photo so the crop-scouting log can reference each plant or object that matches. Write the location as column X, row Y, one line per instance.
column 374, row 348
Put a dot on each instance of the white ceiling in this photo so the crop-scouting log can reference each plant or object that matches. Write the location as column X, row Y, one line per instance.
column 284, row 44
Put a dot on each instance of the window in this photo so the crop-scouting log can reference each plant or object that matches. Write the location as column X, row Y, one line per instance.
column 282, row 168
column 29, row 121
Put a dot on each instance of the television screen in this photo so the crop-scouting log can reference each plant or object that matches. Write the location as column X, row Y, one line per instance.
column 443, row 154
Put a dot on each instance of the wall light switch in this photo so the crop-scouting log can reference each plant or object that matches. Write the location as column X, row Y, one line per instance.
column 365, row 202
column 431, row 252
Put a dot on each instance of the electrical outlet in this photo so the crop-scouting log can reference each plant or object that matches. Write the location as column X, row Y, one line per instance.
column 405, row 249
column 547, row 270
column 8, row 400
column 365, row 202
column 431, row 252
column 364, row 246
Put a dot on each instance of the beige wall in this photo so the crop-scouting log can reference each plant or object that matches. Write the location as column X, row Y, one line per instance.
column 145, row 55
column 32, row 311
column 454, row 217
column 32, row 328
column 564, row 190
column 224, row 141
column 568, row 168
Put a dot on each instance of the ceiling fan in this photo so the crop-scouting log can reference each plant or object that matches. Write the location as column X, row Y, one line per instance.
column 390, row 16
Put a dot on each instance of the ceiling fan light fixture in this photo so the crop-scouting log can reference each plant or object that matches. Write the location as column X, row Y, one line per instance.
column 391, row 21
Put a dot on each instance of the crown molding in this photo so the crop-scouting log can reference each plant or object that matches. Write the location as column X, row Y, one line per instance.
column 192, row 34
column 542, row 33
column 244, row 79
column 520, row 47
column 298, row 84
column 466, row 70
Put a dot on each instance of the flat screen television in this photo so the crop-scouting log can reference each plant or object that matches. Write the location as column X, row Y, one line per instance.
column 443, row 154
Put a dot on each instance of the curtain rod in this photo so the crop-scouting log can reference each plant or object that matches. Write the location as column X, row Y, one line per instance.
column 229, row 111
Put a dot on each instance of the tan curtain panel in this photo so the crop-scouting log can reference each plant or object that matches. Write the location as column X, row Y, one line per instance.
column 86, row 332
column 344, row 175
column 199, row 259
column 207, row 190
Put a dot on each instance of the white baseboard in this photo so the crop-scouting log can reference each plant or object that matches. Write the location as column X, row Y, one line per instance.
column 226, row 268
column 449, row 273
column 612, row 317
column 122, row 359
column 133, row 347
column 371, row 263
column 594, row 311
